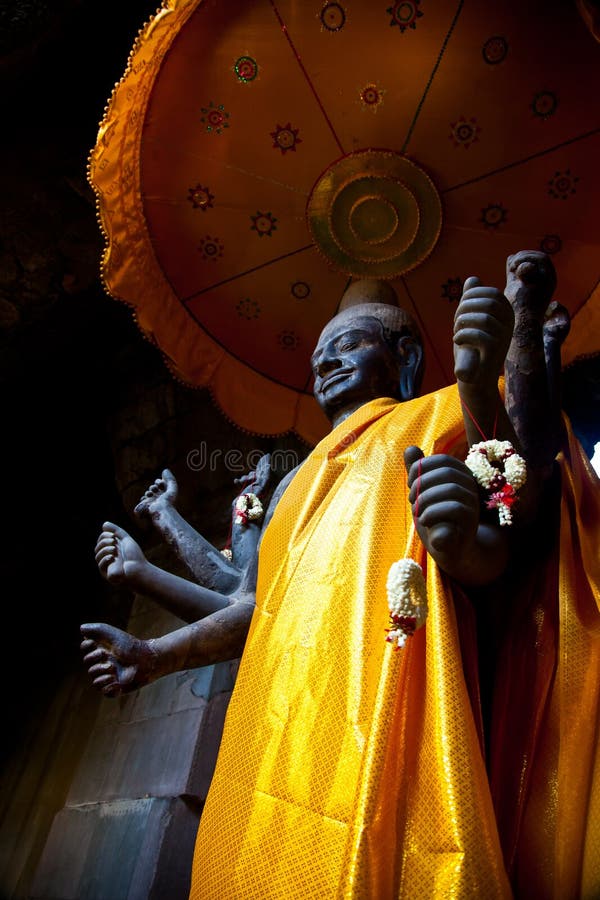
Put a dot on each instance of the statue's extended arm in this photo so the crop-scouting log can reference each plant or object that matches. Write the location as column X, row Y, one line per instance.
column 208, row 566
column 119, row 663
column 121, row 561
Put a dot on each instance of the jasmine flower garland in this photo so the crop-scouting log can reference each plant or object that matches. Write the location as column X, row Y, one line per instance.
column 484, row 460
column 248, row 508
column 407, row 601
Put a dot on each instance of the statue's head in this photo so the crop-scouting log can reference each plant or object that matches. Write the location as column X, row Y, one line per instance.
column 371, row 348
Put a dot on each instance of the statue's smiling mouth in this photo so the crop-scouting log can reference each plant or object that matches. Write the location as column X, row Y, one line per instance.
column 339, row 375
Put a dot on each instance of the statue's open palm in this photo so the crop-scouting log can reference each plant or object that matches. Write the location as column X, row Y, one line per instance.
column 117, row 554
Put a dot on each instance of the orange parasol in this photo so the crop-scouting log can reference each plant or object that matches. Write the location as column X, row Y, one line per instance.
column 258, row 154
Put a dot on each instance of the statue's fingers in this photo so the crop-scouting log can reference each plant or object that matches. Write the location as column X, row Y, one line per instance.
column 106, row 545
column 114, row 529
column 445, row 537
column 102, row 668
column 455, row 511
column 412, row 455
column 95, row 656
column 470, row 282
column 105, row 539
column 107, row 685
column 433, row 496
column 96, row 631
column 105, row 559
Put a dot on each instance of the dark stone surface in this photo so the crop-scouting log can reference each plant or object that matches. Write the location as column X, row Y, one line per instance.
column 141, row 848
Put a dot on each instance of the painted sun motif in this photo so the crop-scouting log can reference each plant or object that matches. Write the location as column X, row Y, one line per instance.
column 371, row 97
column 200, row 197
column 452, row 290
column 285, row 138
column 214, row 117
column 464, row 132
column 211, row 248
column 404, row 14
column 562, row 185
column 494, row 215
column 264, row 223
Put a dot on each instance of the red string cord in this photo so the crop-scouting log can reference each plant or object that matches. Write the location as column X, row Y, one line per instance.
column 476, row 423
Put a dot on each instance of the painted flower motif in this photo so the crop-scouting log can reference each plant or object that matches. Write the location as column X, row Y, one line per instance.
column 264, row 223
column 285, row 138
column 464, row 132
column 404, row 14
column 452, row 290
column 200, row 197
column 248, row 309
column 562, row 185
column 494, row 215
column 288, row 340
column 333, row 16
column 211, row 248
column 214, row 117
column 371, row 97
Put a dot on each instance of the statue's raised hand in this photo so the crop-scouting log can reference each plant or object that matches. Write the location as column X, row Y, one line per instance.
column 483, row 327
column 160, row 495
column 116, row 661
column 118, row 556
column 530, row 282
column 445, row 503
column 258, row 478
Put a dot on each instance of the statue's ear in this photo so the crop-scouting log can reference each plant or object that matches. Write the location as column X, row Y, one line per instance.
column 410, row 355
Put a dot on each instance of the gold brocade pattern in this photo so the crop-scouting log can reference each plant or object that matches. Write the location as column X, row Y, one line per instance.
column 347, row 769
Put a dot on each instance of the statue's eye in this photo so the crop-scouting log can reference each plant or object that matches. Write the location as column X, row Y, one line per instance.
column 347, row 345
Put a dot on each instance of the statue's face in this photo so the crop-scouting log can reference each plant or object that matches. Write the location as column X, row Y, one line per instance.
column 353, row 364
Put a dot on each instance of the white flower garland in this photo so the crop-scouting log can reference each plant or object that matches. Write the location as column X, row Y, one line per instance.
column 248, row 508
column 504, row 483
column 407, row 601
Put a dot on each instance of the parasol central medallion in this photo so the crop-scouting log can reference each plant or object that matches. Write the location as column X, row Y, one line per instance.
column 374, row 213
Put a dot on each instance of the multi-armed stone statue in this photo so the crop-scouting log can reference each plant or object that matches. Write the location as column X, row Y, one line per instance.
column 346, row 768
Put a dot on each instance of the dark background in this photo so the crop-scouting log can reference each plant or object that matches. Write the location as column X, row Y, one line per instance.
column 65, row 347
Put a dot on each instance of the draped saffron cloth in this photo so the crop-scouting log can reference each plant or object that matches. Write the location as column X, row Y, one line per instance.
column 347, row 769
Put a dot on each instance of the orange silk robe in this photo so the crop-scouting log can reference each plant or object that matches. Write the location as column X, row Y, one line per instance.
column 346, row 769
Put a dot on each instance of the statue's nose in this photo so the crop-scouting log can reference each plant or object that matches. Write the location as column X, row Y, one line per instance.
column 327, row 361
